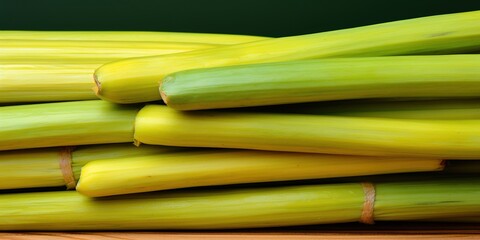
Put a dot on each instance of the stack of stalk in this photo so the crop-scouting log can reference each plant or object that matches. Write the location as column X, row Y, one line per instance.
column 58, row 66
column 361, row 125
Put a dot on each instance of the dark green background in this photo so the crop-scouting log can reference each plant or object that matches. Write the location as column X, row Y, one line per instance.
column 256, row 17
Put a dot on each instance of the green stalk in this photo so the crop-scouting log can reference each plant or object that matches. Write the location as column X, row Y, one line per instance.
column 137, row 80
column 65, row 124
column 403, row 201
column 221, row 167
column 129, row 36
column 240, row 208
column 386, row 108
column 323, row 80
column 449, row 139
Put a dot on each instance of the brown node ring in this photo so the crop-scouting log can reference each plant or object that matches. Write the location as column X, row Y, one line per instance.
column 367, row 216
column 66, row 167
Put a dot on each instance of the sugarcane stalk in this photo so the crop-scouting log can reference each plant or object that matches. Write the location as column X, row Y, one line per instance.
column 449, row 139
column 45, row 82
column 65, row 124
column 221, row 167
column 323, row 80
column 168, row 168
column 137, row 80
column 395, row 201
column 96, row 51
column 82, row 155
column 130, row 36
column 241, row 208
column 32, row 168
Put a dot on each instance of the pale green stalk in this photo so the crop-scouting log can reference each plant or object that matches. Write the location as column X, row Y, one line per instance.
column 65, row 124
column 30, row 168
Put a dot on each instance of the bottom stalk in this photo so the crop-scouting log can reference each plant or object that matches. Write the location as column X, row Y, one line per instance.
column 241, row 208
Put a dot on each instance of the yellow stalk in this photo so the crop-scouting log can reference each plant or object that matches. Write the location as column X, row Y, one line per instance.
column 46, row 81
column 65, row 124
column 240, row 208
column 131, row 36
column 221, row 167
column 137, row 80
column 29, row 168
column 85, row 154
column 97, row 51
column 452, row 139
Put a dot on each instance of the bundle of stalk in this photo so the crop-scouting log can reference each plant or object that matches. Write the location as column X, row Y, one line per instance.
column 436, row 200
column 54, row 167
column 137, row 80
column 222, row 167
column 65, row 124
column 448, row 139
column 323, row 80
column 48, row 66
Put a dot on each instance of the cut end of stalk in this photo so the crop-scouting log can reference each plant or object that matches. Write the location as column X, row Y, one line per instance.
column 136, row 142
column 98, row 86
column 164, row 96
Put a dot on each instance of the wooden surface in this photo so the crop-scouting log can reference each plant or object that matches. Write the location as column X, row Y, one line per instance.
column 383, row 231
column 204, row 236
